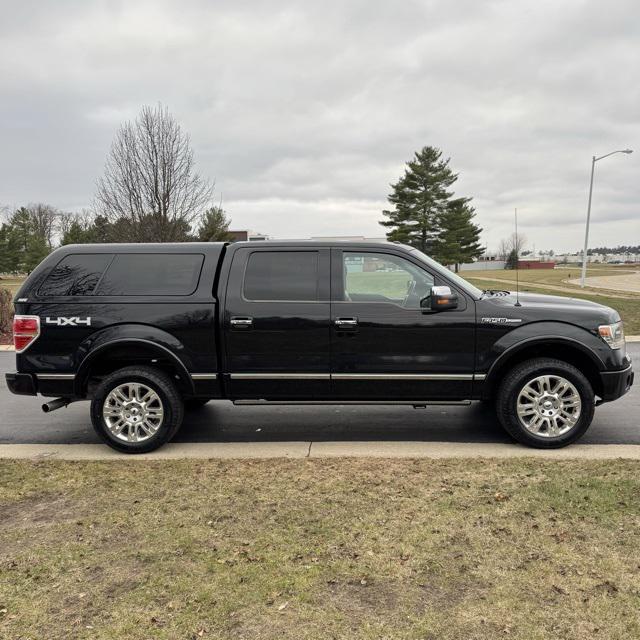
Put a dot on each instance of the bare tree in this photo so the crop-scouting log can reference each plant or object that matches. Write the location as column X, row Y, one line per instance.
column 44, row 219
column 510, row 244
column 85, row 218
column 150, row 187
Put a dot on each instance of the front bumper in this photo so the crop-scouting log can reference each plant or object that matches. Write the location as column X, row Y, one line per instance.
column 22, row 384
column 616, row 383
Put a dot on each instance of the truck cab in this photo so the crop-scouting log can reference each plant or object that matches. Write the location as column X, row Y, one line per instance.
column 147, row 331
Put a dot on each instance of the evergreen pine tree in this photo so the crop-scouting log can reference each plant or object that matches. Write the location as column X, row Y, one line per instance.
column 459, row 238
column 5, row 262
column 20, row 230
column 214, row 226
column 419, row 200
column 512, row 260
column 77, row 233
column 26, row 242
column 37, row 251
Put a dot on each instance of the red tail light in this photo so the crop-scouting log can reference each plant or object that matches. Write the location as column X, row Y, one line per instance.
column 25, row 331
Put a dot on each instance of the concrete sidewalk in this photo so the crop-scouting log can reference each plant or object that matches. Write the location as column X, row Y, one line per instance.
column 258, row 450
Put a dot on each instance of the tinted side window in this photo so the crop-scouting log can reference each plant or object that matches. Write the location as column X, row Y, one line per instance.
column 75, row 275
column 152, row 274
column 282, row 275
column 380, row 277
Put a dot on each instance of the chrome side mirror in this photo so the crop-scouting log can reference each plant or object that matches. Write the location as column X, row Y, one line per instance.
column 442, row 298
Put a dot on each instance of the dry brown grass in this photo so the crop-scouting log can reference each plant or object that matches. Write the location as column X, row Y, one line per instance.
column 320, row 549
column 12, row 283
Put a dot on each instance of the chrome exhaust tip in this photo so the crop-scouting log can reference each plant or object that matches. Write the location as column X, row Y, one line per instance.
column 58, row 403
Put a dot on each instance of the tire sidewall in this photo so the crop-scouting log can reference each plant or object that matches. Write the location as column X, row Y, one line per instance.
column 508, row 398
column 169, row 420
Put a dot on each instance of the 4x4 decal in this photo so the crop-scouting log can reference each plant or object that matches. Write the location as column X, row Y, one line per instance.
column 68, row 322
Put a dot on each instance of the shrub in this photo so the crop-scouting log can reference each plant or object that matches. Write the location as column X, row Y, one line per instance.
column 6, row 315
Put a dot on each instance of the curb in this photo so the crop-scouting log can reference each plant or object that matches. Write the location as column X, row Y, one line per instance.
column 302, row 450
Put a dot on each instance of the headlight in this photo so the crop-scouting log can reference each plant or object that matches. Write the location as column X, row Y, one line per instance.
column 612, row 334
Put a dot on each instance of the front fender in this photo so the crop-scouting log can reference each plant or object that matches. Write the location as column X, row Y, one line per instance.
column 545, row 333
column 165, row 344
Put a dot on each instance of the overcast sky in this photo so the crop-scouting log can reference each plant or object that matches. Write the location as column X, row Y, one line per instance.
column 303, row 112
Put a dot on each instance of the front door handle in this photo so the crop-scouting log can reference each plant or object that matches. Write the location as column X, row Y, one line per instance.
column 346, row 323
column 240, row 323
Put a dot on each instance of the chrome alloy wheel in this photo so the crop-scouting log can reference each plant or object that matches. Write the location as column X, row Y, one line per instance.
column 132, row 412
column 549, row 406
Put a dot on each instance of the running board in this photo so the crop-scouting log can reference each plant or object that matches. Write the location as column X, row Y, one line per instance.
column 416, row 404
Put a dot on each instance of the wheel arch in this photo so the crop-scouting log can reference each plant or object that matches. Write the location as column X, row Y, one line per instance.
column 127, row 351
column 560, row 348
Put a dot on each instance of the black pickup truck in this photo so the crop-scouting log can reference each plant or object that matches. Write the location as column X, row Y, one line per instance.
column 145, row 331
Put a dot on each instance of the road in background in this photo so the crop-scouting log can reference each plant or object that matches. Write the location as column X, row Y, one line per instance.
column 22, row 421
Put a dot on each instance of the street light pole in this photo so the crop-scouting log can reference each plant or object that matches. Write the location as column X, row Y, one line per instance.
column 586, row 233
column 594, row 159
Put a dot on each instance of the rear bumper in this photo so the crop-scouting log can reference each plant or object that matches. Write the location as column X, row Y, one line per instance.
column 616, row 383
column 22, row 384
column 57, row 385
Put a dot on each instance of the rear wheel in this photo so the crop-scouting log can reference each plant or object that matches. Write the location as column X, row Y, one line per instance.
column 136, row 409
column 545, row 403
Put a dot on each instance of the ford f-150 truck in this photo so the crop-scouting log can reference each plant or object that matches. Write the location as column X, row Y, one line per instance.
column 147, row 331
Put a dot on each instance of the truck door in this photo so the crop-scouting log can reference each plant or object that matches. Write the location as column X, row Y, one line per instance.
column 276, row 323
column 384, row 345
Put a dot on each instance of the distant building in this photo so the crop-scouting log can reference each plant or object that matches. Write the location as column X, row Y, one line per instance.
column 604, row 258
column 244, row 235
column 480, row 265
column 536, row 264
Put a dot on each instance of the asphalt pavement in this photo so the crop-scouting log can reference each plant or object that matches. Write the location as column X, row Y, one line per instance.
column 23, row 422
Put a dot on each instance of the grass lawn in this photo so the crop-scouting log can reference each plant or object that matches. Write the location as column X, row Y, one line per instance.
column 12, row 283
column 320, row 549
column 549, row 276
column 392, row 284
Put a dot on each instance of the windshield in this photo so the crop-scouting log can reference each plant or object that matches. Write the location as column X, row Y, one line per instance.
column 461, row 282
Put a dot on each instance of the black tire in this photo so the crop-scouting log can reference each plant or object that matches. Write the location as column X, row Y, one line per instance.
column 193, row 404
column 163, row 386
column 516, row 379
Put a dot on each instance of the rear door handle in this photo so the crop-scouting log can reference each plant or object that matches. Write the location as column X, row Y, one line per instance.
column 346, row 323
column 240, row 323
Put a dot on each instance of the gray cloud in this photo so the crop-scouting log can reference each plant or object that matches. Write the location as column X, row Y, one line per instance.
column 305, row 112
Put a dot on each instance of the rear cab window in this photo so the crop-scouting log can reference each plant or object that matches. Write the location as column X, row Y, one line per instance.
column 284, row 276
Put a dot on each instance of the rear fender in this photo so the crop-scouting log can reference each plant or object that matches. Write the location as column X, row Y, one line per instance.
column 155, row 341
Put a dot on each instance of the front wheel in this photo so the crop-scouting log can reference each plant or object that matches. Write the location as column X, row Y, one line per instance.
column 545, row 403
column 136, row 409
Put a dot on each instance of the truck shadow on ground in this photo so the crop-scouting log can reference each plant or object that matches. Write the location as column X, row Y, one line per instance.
column 223, row 422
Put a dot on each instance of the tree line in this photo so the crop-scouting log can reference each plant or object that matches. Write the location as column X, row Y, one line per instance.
column 632, row 249
column 31, row 232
